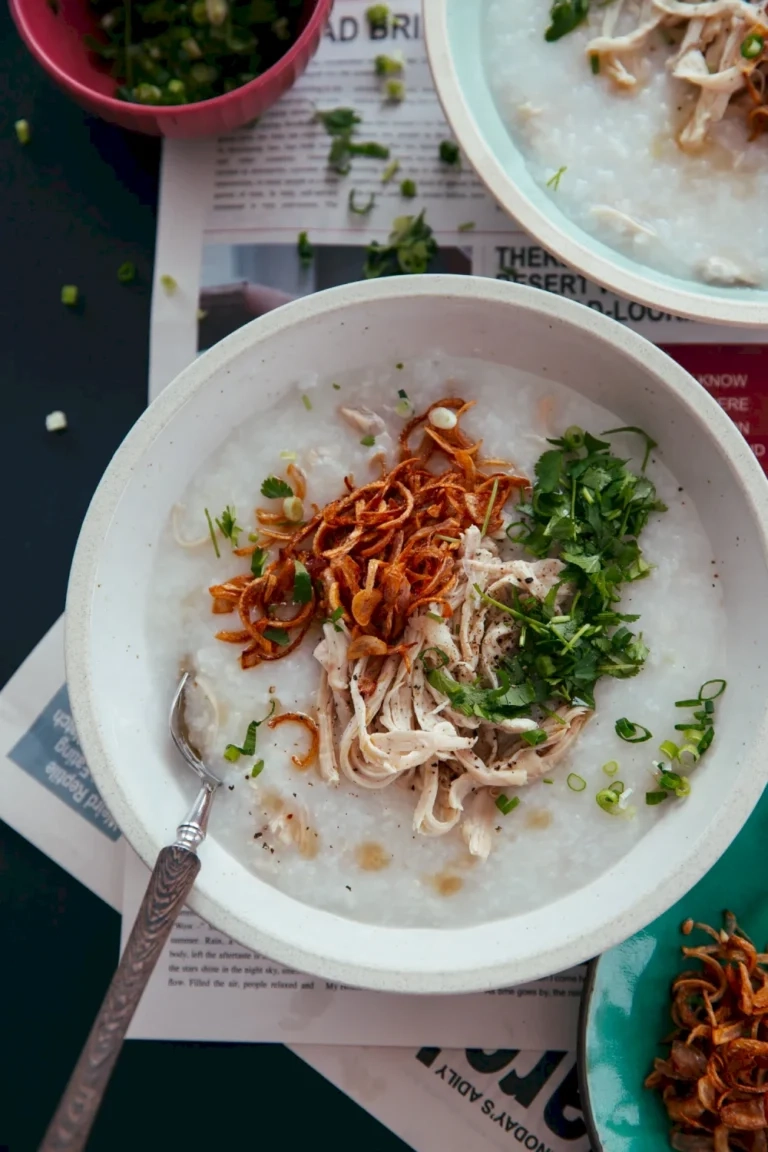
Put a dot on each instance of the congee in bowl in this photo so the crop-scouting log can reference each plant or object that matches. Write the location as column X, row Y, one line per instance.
column 644, row 121
column 470, row 580
column 414, row 625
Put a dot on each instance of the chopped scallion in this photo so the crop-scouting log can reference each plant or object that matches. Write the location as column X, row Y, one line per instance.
column 628, row 731
column 594, row 63
column 169, row 284
column 126, row 273
column 608, row 800
column 752, row 46
column 489, row 509
column 23, row 134
column 555, row 178
column 669, row 749
column 687, row 703
column 706, row 739
column 306, row 402
column 257, row 769
column 576, row 783
column 655, row 797
column 368, row 441
column 712, row 695
column 611, row 768
column 434, row 616
column 213, row 534
column 69, row 295
column 507, row 804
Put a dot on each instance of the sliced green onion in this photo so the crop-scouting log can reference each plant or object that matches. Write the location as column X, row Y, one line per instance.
column 213, row 534
column 752, row 46
column 306, row 402
column 288, row 456
column 689, row 755
column 617, row 787
column 702, row 714
column 434, row 616
column 395, row 91
column 69, row 295
column 627, row 730
column 168, row 283
column 712, row 695
column 467, row 226
column 23, row 134
column 277, row 636
column 293, row 509
column 257, row 769
column 391, row 170
column 709, row 706
column 576, row 783
column 408, row 189
column 608, row 800
column 489, row 509
column 336, row 386
column 655, row 797
column 594, row 63
column 669, row 749
column 670, row 781
column 546, row 780
column 554, row 180
column 706, row 739
column 403, row 407
column 611, row 767
column 506, row 804
column 687, row 703
column 126, row 273
column 689, row 731
column 368, row 441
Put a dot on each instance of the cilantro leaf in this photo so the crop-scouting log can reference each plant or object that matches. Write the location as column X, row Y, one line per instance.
column 274, row 488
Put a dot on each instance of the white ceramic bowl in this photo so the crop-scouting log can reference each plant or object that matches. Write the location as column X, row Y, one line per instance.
column 453, row 31
column 121, row 718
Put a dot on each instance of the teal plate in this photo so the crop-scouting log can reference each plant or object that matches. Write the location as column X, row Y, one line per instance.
column 625, row 1007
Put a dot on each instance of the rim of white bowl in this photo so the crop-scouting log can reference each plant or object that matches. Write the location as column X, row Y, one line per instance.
column 696, row 855
column 566, row 246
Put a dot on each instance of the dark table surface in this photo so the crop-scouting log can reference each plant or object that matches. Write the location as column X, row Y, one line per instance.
column 76, row 202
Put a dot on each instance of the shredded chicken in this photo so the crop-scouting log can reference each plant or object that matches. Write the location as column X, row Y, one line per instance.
column 382, row 721
column 720, row 53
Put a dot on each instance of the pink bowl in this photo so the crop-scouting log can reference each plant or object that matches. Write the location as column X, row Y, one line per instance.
column 56, row 40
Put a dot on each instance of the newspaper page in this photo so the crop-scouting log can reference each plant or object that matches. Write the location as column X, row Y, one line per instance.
column 46, row 790
column 208, row 987
column 452, row 1101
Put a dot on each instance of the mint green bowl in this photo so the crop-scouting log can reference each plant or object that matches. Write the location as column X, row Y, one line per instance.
column 625, row 1006
column 453, row 31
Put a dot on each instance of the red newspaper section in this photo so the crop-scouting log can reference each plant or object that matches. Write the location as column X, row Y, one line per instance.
column 736, row 375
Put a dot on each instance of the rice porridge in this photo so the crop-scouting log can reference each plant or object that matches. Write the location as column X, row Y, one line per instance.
column 643, row 123
column 455, row 766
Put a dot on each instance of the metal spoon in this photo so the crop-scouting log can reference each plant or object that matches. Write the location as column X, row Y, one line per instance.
column 171, row 881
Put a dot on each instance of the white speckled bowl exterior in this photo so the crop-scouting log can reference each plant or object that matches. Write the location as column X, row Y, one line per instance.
column 453, row 31
column 121, row 716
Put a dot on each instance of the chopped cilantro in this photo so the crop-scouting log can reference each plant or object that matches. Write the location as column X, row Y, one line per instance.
column 274, row 488
column 258, row 560
column 305, row 250
column 228, row 525
column 564, row 16
column 277, row 636
column 410, row 249
column 408, row 189
column 233, row 752
column 302, row 584
column 449, row 153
